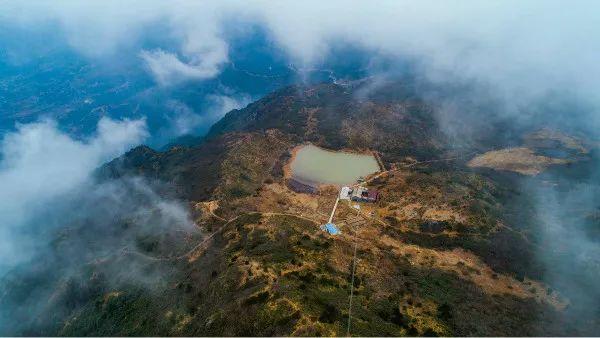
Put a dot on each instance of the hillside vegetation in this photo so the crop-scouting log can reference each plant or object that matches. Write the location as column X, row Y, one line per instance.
column 448, row 250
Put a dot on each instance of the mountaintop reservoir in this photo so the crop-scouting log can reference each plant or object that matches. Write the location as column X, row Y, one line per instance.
column 314, row 165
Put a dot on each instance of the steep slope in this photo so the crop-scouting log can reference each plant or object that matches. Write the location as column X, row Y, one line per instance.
column 338, row 117
column 232, row 165
column 328, row 115
column 274, row 275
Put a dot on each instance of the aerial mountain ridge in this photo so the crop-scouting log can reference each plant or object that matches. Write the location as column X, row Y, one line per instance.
column 325, row 114
column 449, row 250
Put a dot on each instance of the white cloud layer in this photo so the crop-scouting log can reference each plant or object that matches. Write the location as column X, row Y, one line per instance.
column 39, row 164
column 183, row 120
column 167, row 69
column 524, row 47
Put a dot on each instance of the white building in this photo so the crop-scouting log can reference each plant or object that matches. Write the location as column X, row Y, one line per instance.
column 345, row 193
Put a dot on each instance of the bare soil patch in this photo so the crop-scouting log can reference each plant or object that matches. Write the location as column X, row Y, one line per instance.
column 520, row 160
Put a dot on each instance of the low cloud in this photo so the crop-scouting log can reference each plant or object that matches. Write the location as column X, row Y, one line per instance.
column 167, row 69
column 522, row 50
column 221, row 104
column 78, row 237
column 183, row 120
column 568, row 243
column 41, row 164
column 99, row 237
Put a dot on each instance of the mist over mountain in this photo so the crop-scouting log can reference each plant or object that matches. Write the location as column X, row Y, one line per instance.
column 146, row 153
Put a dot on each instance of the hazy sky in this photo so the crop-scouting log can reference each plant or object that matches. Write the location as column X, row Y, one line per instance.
column 523, row 47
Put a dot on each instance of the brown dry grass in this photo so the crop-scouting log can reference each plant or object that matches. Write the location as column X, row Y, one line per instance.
column 464, row 263
column 443, row 214
column 520, row 160
column 430, row 204
column 470, row 267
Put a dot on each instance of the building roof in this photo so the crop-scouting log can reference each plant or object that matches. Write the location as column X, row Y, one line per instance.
column 373, row 194
column 357, row 192
column 331, row 229
column 345, row 193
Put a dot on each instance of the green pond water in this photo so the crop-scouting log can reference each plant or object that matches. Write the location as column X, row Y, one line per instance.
column 315, row 165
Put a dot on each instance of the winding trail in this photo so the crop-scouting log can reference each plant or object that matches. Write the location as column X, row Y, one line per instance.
column 189, row 253
column 382, row 173
column 207, row 239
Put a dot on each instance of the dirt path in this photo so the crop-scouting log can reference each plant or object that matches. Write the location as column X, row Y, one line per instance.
column 189, row 253
column 418, row 162
column 207, row 239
